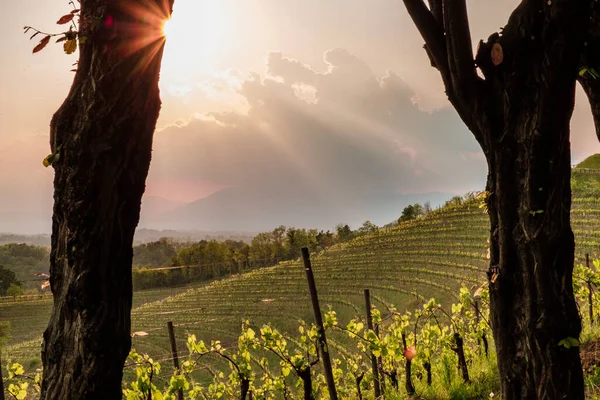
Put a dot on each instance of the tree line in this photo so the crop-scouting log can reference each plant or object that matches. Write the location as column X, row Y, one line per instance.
column 156, row 263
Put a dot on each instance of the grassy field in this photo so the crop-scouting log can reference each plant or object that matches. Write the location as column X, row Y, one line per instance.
column 29, row 318
column 431, row 256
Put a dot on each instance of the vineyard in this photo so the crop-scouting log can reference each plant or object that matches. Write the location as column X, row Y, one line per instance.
column 440, row 256
column 432, row 352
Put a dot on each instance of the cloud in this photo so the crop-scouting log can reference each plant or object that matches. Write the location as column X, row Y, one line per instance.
column 179, row 91
column 342, row 135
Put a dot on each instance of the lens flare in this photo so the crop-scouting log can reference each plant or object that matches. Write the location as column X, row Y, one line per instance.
column 142, row 24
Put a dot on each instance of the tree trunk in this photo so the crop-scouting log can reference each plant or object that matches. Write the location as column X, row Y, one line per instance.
column 462, row 361
column 358, row 390
column 410, row 389
column 427, row 366
column 307, row 384
column 532, row 255
column 590, row 62
column 485, row 345
column 104, row 133
column 244, row 389
column 519, row 111
column 394, row 379
column 531, row 243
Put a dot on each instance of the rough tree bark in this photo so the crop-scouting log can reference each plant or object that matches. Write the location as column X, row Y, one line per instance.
column 104, row 130
column 519, row 110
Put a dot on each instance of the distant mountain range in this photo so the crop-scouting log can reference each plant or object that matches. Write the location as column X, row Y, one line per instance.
column 250, row 209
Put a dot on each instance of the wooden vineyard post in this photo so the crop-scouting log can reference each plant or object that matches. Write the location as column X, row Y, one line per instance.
column 589, row 284
column 174, row 354
column 1, row 381
column 379, row 360
column 319, row 321
column 376, row 383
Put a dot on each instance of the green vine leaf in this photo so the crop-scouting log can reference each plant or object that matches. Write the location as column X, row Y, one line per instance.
column 569, row 342
column 590, row 71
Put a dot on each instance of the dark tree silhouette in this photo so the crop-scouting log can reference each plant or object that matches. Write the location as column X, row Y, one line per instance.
column 519, row 107
column 103, row 135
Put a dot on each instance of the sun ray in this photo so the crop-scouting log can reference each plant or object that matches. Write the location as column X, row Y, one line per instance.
column 142, row 24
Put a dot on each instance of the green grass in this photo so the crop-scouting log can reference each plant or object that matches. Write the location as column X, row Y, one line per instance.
column 29, row 318
column 448, row 384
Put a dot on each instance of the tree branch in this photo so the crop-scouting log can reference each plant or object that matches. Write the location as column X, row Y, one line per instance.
column 459, row 47
column 437, row 10
column 432, row 33
column 589, row 78
column 591, row 87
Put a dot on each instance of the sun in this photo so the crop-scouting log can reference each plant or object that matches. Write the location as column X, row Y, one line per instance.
column 195, row 33
column 166, row 28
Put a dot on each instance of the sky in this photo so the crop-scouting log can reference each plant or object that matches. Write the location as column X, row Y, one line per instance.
column 328, row 105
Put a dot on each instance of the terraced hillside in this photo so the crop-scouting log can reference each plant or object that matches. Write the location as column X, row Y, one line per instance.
column 430, row 256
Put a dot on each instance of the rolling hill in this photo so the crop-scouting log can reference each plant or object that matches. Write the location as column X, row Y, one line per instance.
column 431, row 256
